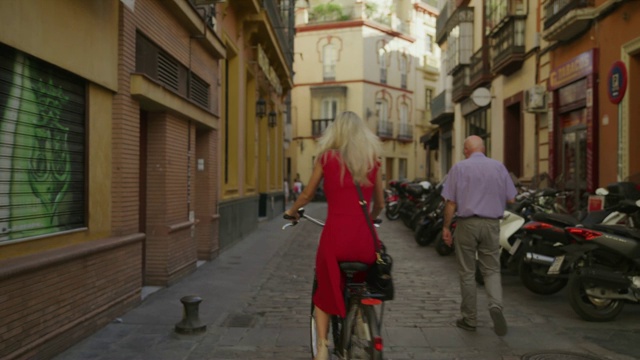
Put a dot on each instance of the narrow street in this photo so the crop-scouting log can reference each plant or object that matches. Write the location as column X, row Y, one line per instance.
column 256, row 298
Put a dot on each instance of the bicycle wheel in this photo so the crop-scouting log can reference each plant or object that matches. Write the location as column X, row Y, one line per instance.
column 361, row 335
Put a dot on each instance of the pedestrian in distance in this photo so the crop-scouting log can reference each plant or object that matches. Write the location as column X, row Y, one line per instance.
column 348, row 154
column 477, row 190
column 285, row 188
column 297, row 187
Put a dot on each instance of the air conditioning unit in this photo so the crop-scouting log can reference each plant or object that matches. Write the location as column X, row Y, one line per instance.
column 535, row 99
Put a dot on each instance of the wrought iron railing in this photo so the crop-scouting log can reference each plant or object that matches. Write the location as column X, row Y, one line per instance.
column 318, row 126
column 385, row 129
column 405, row 132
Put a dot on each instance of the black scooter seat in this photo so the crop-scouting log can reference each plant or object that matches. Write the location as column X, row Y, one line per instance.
column 562, row 220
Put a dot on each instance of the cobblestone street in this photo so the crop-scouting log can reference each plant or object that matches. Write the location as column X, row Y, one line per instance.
column 256, row 299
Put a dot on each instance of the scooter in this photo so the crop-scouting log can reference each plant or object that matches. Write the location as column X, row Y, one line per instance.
column 606, row 269
column 544, row 237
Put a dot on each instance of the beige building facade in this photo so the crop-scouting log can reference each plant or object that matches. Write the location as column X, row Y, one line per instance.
column 354, row 55
column 491, row 56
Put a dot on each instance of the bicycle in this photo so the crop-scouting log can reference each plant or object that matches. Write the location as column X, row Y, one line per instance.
column 357, row 335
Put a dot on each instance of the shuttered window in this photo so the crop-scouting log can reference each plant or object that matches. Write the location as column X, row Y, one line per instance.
column 159, row 65
column 42, row 148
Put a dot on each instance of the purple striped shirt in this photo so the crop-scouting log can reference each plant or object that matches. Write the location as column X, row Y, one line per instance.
column 480, row 186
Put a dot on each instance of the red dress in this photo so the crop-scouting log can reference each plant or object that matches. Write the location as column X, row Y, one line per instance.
column 345, row 236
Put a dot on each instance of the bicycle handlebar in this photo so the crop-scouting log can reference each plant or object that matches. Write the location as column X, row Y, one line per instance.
column 301, row 214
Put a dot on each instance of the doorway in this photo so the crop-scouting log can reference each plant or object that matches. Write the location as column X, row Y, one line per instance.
column 574, row 164
column 513, row 139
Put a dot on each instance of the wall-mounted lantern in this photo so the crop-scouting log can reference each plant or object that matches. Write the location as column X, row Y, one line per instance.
column 272, row 119
column 261, row 108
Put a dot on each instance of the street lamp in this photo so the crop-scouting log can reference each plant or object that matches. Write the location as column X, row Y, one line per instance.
column 271, row 120
column 261, row 108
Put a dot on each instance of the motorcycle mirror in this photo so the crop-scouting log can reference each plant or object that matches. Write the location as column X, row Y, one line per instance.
column 602, row 191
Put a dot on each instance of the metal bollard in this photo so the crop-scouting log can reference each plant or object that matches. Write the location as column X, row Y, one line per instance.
column 190, row 323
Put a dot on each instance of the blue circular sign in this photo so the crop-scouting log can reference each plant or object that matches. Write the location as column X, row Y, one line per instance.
column 617, row 82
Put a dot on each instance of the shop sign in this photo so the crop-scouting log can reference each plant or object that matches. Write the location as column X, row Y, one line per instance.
column 617, row 82
column 576, row 68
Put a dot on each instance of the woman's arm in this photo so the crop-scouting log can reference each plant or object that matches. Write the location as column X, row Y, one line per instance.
column 309, row 191
column 378, row 196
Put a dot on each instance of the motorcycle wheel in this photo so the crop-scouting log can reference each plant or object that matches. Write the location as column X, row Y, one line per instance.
column 422, row 235
column 441, row 248
column 392, row 212
column 539, row 284
column 588, row 307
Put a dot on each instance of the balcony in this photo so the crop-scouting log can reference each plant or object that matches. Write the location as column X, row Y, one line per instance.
column 405, row 132
column 442, row 108
column 431, row 64
column 318, row 126
column 565, row 19
column 385, row 129
column 480, row 68
column 507, row 47
column 451, row 16
column 461, row 88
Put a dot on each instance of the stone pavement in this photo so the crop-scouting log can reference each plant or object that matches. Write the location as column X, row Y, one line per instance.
column 256, row 302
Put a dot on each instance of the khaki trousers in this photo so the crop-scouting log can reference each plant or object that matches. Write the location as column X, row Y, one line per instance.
column 479, row 236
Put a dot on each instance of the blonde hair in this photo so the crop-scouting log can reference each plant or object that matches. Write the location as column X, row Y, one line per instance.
column 358, row 146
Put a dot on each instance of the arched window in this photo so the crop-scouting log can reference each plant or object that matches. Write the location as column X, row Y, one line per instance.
column 329, row 59
column 382, row 59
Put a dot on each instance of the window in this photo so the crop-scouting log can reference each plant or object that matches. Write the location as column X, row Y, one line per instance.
column 329, row 108
column 403, row 71
column 404, row 114
column 428, row 97
column 382, row 59
column 42, row 140
column 383, row 109
column 497, row 11
column 402, row 168
column 428, row 44
column 478, row 123
column 329, row 59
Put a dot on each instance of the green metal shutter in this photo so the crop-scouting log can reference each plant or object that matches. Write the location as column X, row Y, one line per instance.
column 42, row 148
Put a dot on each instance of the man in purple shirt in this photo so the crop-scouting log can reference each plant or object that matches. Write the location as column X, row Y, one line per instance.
column 478, row 190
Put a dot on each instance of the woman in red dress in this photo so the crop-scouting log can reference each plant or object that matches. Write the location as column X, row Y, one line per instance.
column 348, row 153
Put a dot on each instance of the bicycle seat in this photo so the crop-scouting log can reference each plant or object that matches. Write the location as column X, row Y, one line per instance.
column 351, row 268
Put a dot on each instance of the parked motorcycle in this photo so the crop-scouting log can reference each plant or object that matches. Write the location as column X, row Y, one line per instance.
column 391, row 200
column 606, row 263
column 411, row 197
column 544, row 238
column 430, row 217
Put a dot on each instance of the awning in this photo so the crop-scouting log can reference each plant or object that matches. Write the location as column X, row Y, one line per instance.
column 431, row 140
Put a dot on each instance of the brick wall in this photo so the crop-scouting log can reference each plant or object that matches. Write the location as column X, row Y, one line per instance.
column 50, row 300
